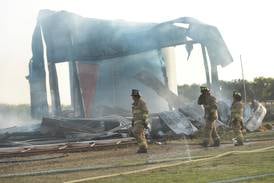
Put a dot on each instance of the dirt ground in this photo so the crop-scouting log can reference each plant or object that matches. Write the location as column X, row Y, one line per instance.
column 188, row 149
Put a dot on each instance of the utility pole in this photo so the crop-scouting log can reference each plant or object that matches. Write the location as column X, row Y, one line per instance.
column 243, row 78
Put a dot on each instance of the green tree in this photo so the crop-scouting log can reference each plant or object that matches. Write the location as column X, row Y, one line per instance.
column 261, row 89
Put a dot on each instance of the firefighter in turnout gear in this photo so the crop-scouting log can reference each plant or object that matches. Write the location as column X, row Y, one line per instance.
column 139, row 120
column 210, row 107
column 236, row 121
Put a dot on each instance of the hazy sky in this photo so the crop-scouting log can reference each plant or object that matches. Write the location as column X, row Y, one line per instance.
column 246, row 26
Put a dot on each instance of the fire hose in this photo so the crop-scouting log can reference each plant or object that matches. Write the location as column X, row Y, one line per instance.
column 182, row 161
column 173, row 164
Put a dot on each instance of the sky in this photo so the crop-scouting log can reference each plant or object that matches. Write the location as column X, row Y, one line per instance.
column 246, row 26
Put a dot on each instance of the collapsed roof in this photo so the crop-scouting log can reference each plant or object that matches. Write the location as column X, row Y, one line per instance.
column 72, row 37
column 69, row 37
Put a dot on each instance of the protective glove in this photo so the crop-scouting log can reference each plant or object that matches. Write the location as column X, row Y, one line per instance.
column 146, row 126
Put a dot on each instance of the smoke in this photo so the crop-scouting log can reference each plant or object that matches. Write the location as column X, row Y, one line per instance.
column 15, row 115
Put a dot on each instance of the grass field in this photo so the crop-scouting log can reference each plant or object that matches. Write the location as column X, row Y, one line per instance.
column 224, row 168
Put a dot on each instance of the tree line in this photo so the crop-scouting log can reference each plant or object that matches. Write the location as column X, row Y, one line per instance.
column 261, row 89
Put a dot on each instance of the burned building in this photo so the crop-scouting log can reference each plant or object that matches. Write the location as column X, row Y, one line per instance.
column 109, row 58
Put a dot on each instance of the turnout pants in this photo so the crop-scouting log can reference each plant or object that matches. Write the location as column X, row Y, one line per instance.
column 139, row 134
column 210, row 132
column 237, row 129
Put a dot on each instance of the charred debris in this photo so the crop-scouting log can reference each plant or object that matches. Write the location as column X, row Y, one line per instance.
column 106, row 59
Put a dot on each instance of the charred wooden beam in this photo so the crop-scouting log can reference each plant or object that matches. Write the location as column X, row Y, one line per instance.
column 77, row 94
column 206, row 65
column 54, row 89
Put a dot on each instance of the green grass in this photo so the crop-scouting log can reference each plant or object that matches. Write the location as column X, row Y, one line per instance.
column 229, row 167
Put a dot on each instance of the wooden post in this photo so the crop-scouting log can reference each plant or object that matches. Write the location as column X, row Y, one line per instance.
column 243, row 78
column 72, row 85
column 206, row 65
column 77, row 98
column 214, row 78
column 54, row 90
column 76, row 94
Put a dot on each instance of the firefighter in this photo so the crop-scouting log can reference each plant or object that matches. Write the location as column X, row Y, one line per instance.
column 139, row 120
column 210, row 107
column 236, row 122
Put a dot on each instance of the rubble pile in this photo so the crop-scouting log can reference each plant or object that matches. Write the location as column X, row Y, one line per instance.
column 187, row 120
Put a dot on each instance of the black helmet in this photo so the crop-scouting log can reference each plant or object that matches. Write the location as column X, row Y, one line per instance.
column 204, row 89
column 135, row 92
column 237, row 95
